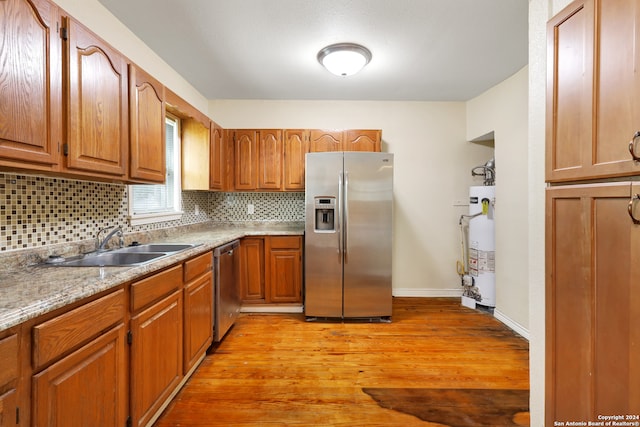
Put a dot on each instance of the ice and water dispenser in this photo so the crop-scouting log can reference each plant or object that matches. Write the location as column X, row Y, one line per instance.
column 325, row 208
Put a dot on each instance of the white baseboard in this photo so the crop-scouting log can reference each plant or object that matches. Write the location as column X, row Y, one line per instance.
column 515, row 326
column 432, row 293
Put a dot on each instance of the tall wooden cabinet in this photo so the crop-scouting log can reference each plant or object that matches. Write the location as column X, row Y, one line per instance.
column 31, row 85
column 592, row 239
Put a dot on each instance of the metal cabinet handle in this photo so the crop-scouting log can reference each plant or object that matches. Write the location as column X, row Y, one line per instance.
column 630, row 208
column 632, row 145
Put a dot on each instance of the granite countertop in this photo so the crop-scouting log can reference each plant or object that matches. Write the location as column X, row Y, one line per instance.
column 28, row 291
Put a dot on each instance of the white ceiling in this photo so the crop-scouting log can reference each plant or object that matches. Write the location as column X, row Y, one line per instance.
column 423, row 50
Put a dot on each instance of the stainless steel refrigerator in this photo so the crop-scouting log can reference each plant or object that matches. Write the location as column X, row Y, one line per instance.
column 348, row 235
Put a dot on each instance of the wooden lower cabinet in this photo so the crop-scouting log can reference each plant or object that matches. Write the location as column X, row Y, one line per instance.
column 252, row 270
column 156, row 355
column 9, row 373
column 284, row 269
column 86, row 388
column 592, row 302
column 8, row 405
column 198, row 309
column 271, row 269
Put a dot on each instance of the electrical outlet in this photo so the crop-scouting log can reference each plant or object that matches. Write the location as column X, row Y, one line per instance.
column 250, row 209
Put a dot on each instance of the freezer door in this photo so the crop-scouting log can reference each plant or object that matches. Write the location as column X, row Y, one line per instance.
column 368, row 222
column 323, row 262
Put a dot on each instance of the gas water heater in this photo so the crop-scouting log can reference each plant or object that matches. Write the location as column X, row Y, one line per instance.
column 481, row 244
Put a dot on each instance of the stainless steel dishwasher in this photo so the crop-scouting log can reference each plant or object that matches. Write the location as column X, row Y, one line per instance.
column 227, row 291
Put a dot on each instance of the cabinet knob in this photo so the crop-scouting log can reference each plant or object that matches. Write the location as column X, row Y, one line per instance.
column 632, row 146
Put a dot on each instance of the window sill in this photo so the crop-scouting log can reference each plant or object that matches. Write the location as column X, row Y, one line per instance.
column 154, row 218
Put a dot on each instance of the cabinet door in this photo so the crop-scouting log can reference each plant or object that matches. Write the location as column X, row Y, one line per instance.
column 252, row 270
column 592, row 304
column 270, row 159
column 593, row 111
column 198, row 319
column 325, row 140
column 246, row 159
column 31, row 84
column 362, row 140
column 147, row 128
column 156, row 356
column 296, row 146
column 86, row 388
column 195, row 155
column 285, row 269
column 97, row 105
column 217, row 161
column 8, row 405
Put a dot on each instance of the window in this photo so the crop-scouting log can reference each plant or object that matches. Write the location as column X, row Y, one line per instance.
column 160, row 202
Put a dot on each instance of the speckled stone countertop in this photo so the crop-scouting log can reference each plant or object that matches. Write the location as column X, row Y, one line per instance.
column 28, row 291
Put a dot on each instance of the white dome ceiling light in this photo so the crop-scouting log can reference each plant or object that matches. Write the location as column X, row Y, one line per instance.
column 344, row 59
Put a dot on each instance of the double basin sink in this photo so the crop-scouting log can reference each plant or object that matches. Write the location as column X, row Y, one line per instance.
column 129, row 256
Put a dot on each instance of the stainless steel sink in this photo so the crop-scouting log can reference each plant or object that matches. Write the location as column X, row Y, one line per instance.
column 129, row 256
column 157, row 247
column 111, row 259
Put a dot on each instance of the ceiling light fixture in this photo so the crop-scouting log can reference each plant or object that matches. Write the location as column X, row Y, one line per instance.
column 344, row 59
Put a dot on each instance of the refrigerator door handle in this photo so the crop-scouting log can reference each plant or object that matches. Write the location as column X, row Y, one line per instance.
column 339, row 214
column 346, row 214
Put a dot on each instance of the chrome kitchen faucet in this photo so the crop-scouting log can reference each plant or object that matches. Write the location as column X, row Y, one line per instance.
column 115, row 230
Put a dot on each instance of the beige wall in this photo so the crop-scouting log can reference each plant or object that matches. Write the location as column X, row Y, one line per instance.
column 503, row 110
column 432, row 169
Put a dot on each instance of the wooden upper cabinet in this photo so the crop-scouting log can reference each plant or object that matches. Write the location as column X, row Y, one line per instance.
column 362, row 140
column 325, row 140
column 270, row 148
column 593, row 111
column 195, row 155
column 246, row 159
column 96, row 105
column 347, row 140
column 147, row 127
column 30, row 82
column 217, row 161
column 296, row 146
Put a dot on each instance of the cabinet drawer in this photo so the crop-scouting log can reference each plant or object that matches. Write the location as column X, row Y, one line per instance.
column 197, row 266
column 57, row 336
column 285, row 242
column 155, row 287
column 8, row 359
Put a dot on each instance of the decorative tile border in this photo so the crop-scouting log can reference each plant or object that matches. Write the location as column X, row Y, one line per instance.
column 38, row 211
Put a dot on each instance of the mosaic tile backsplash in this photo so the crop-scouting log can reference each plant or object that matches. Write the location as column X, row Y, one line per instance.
column 38, row 211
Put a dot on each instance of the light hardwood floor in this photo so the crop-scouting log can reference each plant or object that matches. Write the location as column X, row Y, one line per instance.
column 278, row 370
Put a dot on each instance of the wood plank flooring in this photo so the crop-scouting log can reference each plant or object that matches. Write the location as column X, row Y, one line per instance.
column 435, row 358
